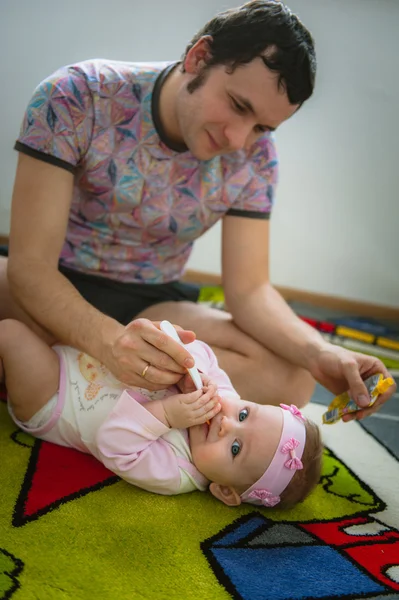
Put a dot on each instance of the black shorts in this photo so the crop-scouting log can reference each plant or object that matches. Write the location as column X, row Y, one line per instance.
column 124, row 301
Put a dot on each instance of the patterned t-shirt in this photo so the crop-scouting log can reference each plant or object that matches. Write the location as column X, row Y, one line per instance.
column 138, row 203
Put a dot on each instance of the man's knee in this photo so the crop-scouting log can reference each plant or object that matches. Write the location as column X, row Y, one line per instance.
column 286, row 384
column 301, row 389
column 267, row 378
column 293, row 384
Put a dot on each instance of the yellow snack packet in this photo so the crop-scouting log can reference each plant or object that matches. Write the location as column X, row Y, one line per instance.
column 343, row 404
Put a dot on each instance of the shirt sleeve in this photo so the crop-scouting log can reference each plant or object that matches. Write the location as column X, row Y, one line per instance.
column 207, row 363
column 58, row 122
column 129, row 443
column 260, row 175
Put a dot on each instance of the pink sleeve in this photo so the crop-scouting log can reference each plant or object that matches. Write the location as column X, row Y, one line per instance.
column 207, row 363
column 129, row 444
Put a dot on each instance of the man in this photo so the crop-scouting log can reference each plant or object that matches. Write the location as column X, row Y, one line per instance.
column 122, row 166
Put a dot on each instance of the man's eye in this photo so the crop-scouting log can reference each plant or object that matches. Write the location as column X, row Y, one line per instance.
column 239, row 108
column 243, row 414
column 235, row 448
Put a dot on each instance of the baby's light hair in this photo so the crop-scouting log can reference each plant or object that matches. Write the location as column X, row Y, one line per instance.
column 295, row 467
column 306, row 479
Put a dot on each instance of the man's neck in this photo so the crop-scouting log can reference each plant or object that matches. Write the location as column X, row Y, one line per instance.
column 167, row 105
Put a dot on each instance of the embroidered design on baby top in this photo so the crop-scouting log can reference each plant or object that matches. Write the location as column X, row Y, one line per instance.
column 95, row 373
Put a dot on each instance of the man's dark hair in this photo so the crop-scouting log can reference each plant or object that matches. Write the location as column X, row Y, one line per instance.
column 267, row 29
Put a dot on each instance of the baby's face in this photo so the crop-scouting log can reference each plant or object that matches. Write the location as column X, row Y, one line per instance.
column 239, row 443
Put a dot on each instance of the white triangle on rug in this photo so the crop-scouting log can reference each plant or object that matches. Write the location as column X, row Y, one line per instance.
column 366, row 457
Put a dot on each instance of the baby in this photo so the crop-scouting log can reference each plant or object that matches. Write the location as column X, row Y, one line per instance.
column 167, row 442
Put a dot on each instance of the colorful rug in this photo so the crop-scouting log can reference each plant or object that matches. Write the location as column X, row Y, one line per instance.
column 70, row 529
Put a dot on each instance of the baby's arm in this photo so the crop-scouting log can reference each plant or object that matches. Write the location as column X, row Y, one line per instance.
column 130, row 443
column 184, row 410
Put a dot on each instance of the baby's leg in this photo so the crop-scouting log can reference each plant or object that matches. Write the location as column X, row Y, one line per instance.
column 31, row 369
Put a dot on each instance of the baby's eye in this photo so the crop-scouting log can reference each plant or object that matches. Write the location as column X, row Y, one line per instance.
column 235, row 448
column 243, row 414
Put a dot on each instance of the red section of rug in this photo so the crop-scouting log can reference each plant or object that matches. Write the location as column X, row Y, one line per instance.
column 61, row 472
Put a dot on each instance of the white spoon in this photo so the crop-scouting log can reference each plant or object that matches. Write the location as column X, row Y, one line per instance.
column 168, row 328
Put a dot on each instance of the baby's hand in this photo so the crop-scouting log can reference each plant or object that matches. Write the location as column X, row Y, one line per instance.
column 195, row 408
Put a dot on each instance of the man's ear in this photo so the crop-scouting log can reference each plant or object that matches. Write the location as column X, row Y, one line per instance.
column 225, row 494
column 198, row 56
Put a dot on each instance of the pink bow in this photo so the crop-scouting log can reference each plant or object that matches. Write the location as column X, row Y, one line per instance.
column 294, row 410
column 266, row 497
column 289, row 448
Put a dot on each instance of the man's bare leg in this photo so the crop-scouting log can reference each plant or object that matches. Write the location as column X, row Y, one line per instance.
column 256, row 373
column 9, row 309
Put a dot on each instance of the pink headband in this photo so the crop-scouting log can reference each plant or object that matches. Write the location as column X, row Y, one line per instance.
column 286, row 460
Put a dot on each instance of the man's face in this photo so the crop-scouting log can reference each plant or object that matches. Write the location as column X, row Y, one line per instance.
column 229, row 112
column 239, row 444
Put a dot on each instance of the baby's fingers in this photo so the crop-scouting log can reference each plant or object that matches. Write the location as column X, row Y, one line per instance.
column 211, row 388
column 208, row 393
column 205, row 380
column 192, row 397
column 207, row 412
column 195, row 399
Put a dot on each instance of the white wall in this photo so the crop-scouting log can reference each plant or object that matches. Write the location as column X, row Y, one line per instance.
column 335, row 228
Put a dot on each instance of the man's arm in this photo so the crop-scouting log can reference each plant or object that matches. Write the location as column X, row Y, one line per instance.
column 259, row 310
column 256, row 306
column 40, row 211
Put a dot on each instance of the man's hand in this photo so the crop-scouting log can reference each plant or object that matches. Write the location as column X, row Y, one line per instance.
column 340, row 370
column 195, row 408
column 141, row 355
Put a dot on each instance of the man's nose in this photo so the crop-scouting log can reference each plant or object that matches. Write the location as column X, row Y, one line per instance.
column 237, row 135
